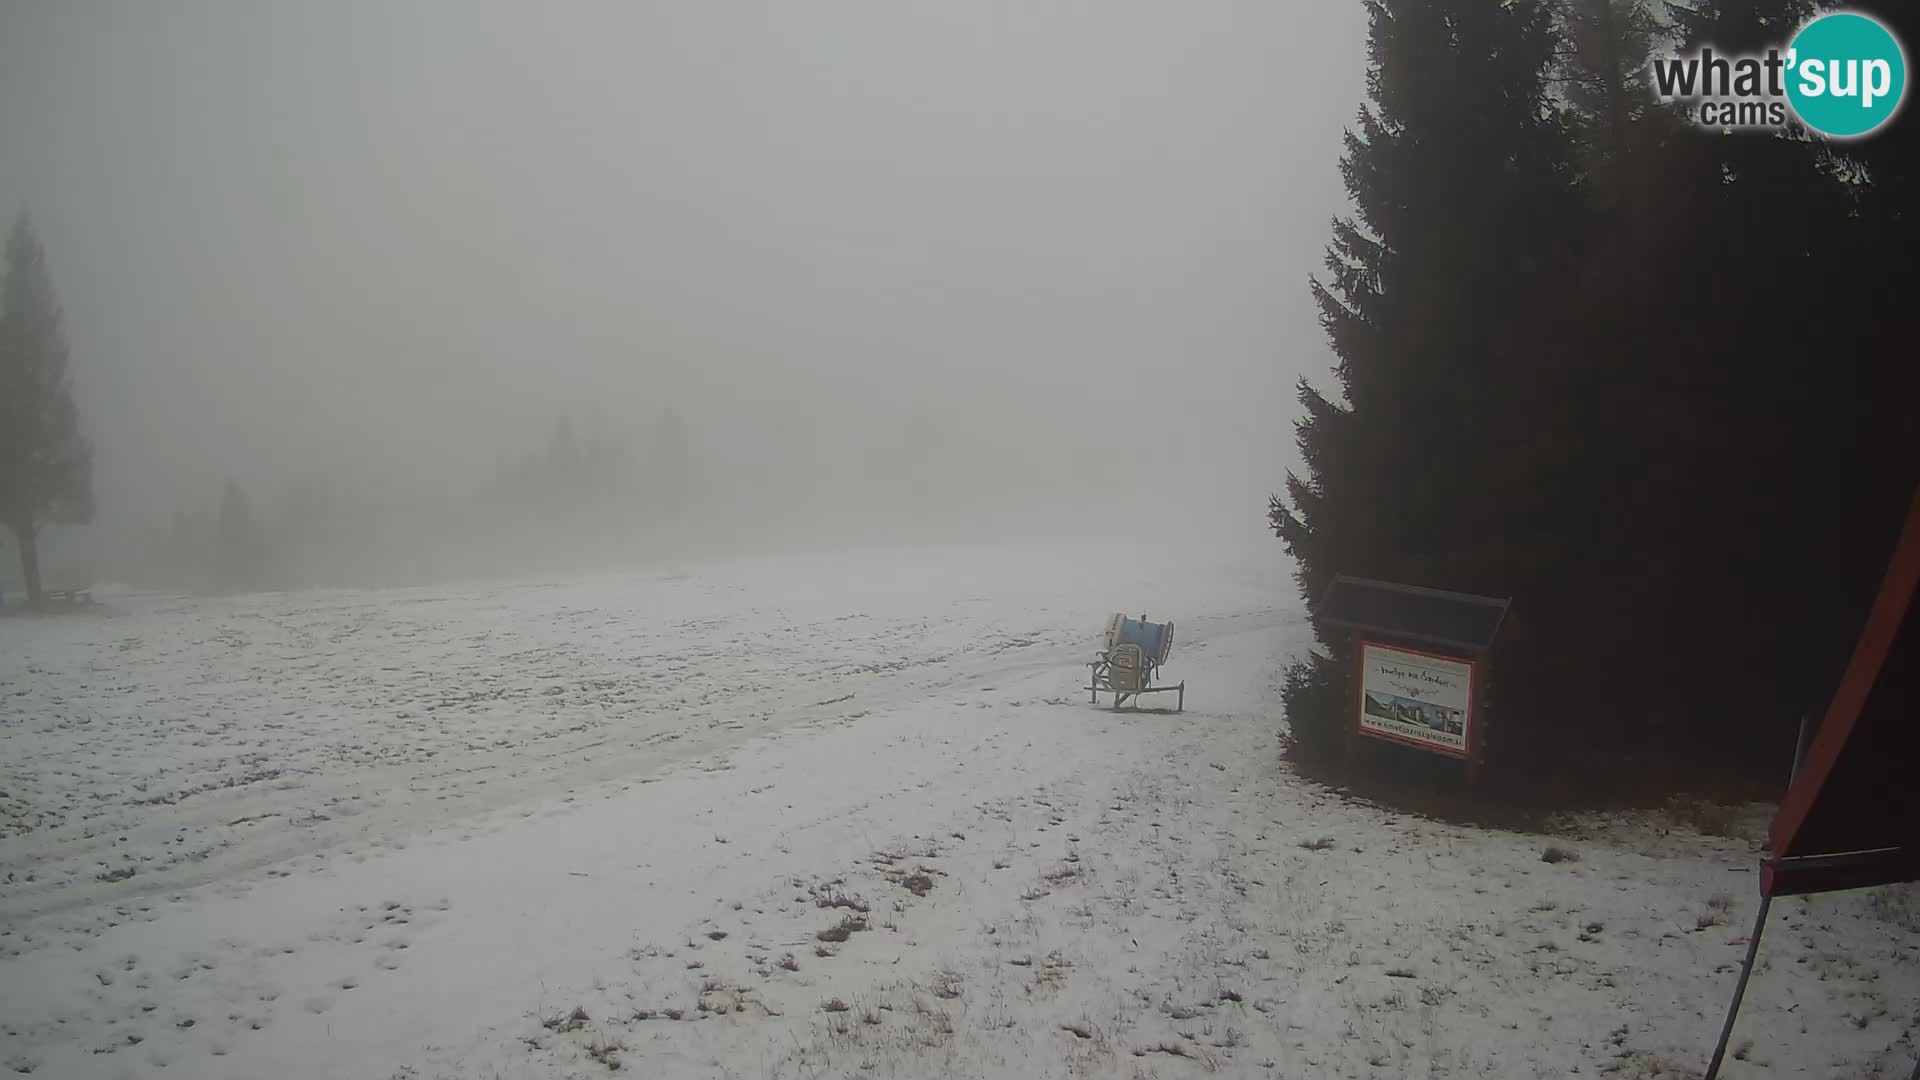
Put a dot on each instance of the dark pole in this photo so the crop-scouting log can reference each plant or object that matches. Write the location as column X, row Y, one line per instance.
column 1759, row 926
column 1800, row 746
column 1739, row 989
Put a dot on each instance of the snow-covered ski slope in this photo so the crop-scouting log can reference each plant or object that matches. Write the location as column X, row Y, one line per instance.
column 552, row 828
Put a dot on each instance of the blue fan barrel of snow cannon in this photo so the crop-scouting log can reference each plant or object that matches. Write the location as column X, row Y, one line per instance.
column 1155, row 639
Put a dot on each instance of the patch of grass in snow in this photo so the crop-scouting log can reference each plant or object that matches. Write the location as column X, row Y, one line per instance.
column 834, row 898
column 566, row 1021
column 1898, row 905
column 844, row 929
column 946, row 984
column 938, row 1022
column 606, row 1051
column 1051, row 973
column 1704, row 816
column 925, row 849
column 1061, row 873
column 1639, row 1065
column 1176, row 1049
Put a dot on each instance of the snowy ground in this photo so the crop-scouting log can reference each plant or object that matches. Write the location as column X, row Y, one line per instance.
column 820, row 817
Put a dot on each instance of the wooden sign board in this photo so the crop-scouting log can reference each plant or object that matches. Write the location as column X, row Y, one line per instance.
column 1420, row 659
column 1419, row 699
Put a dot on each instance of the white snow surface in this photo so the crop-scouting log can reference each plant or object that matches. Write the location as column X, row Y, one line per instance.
column 601, row 826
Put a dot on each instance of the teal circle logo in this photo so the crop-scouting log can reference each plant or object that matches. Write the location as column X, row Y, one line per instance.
column 1846, row 75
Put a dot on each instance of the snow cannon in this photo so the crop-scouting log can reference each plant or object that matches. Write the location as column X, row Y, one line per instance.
column 1154, row 639
column 1126, row 666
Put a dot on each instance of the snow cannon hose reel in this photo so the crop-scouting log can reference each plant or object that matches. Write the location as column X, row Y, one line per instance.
column 1126, row 666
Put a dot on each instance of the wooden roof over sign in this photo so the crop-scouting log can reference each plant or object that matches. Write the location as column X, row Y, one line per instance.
column 1452, row 620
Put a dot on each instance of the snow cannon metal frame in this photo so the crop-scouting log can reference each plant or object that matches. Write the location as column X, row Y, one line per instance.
column 1126, row 666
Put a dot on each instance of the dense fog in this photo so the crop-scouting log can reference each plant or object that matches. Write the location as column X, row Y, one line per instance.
column 456, row 288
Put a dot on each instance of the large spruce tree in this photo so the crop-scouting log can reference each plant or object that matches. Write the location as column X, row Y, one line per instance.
column 1758, row 407
column 1643, row 378
column 1460, row 181
column 46, row 463
column 1884, row 175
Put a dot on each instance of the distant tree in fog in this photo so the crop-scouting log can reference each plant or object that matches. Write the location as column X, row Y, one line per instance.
column 181, row 531
column 574, row 470
column 671, row 459
column 564, row 457
column 239, row 550
column 181, row 550
column 599, row 465
column 46, row 464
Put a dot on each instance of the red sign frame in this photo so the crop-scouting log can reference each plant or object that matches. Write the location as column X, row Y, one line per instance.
column 1470, row 726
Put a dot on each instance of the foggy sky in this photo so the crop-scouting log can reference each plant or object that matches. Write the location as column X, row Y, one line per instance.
column 394, row 240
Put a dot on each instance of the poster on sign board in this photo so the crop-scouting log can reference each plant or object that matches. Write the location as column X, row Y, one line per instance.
column 1416, row 698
